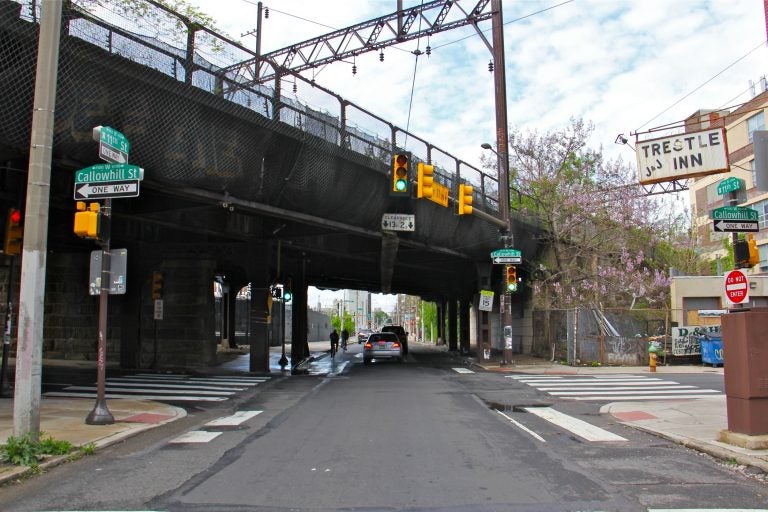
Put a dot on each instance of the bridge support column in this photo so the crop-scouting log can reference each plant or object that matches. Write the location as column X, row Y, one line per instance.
column 299, row 345
column 259, row 328
column 464, row 331
column 453, row 317
column 441, row 323
column 258, row 311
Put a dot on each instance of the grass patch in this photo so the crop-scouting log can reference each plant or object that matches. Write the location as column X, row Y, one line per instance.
column 24, row 451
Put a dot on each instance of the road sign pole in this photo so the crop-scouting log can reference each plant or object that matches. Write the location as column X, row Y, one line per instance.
column 100, row 414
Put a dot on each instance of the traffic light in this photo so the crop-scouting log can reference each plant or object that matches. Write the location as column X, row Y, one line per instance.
column 754, row 254
column 157, row 285
column 13, row 233
column 400, row 174
column 465, row 199
column 426, row 177
column 741, row 254
column 87, row 220
column 511, row 278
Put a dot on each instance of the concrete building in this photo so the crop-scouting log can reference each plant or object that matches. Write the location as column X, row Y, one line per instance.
column 740, row 125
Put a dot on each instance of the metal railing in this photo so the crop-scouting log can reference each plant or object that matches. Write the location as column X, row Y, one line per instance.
column 197, row 56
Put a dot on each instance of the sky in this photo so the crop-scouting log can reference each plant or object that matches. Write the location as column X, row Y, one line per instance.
column 625, row 66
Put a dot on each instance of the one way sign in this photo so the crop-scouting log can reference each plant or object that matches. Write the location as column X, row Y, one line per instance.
column 107, row 190
column 736, row 226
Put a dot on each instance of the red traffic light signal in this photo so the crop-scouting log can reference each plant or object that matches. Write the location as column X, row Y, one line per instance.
column 13, row 233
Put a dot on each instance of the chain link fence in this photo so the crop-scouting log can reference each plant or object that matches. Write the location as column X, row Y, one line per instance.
column 618, row 337
column 160, row 49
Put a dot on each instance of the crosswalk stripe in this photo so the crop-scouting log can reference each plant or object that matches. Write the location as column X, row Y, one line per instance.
column 611, row 392
column 185, row 392
column 129, row 383
column 579, row 427
column 462, row 370
column 616, row 387
column 639, row 397
column 236, row 419
column 621, row 388
column 173, row 398
column 195, row 436
column 166, row 387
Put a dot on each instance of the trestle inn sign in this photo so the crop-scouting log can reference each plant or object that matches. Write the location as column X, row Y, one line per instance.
column 681, row 156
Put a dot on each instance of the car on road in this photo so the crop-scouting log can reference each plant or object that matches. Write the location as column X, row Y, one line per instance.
column 362, row 335
column 401, row 335
column 382, row 345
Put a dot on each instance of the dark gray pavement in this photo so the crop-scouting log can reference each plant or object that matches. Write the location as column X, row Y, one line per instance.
column 695, row 423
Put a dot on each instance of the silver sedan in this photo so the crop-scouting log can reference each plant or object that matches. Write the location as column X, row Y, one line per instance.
column 382, row 345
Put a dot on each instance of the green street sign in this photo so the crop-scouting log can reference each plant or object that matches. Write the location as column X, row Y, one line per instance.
column 507, row 257
column 113, row 145
column 105, row 173
column 734, row 213
column 506, row 253
column 729, row 185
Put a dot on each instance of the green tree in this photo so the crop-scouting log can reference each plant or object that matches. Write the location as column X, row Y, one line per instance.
column 599, row 229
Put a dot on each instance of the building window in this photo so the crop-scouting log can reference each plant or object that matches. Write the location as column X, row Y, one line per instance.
column 763, row 251
column 756, row 122
column 762, row 212
column 754, row 174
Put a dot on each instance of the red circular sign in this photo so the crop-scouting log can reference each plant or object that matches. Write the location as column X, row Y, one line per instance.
column 736, row 286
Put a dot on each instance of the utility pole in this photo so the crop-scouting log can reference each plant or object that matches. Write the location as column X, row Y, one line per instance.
column 29, row 351
column 502, row 143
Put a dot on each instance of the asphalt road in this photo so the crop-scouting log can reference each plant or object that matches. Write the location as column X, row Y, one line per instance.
column 412, row 436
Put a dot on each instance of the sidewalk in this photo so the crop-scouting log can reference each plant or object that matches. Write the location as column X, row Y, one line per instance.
column 692, row 423
column 63, row 419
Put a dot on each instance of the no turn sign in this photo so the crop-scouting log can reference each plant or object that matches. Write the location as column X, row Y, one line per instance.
column 736, row 287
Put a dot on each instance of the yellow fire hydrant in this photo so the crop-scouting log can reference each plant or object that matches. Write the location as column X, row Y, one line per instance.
column 652, row 358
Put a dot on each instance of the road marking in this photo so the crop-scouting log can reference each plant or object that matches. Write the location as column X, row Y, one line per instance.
column 579, row 427
column 195, row 436
column 184, row 392
column 233, row 420
column 167, row 387
column 623, row 387
column 523, row 427
column 170, row 398
column 462, row 370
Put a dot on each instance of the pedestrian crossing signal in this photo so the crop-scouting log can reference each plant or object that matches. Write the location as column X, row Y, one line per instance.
column 157, row 285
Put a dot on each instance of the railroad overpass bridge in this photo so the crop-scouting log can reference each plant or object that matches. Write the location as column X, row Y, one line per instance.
column 242, row 185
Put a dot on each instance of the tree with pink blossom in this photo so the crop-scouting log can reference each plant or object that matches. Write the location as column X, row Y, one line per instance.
column 604, row 242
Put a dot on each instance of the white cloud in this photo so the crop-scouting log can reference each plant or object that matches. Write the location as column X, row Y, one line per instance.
column 617, row 64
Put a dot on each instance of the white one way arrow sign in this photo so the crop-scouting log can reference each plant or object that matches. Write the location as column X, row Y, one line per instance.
column 107, row 190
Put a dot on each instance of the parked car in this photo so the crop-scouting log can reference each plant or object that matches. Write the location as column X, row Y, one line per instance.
column 362, row 335
column 382, row 345
column 401, row 335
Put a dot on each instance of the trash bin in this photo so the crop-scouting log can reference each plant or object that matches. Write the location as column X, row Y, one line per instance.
column 712, row 350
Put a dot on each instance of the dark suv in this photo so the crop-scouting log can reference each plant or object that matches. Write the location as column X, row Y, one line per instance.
column 401, row 335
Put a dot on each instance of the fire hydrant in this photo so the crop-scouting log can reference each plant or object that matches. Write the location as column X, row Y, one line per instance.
column 652, row 358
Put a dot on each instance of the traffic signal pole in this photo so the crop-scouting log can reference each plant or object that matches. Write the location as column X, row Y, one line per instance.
column 502, row 143
column 100, row 414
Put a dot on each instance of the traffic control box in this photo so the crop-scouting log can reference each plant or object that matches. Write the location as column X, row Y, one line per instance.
column 746, row 370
